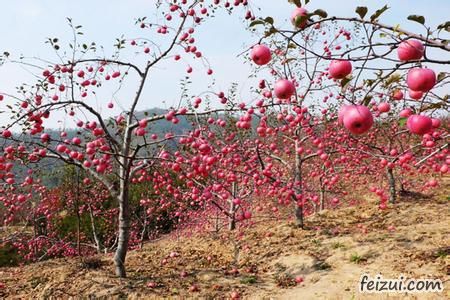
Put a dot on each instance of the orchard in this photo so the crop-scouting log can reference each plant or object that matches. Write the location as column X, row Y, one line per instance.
column 336, row 105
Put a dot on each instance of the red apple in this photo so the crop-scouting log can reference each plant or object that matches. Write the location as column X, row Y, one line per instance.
column 416, row 95
column 410, row 50
column 358, row 119
column 284, row 89
column 296, row 17
column 405, row 113
column 341, row 113
column 384, row 107
column 260, row 55
column 397, row 95
column 421, row 79
column 340, row 69
column 436, row 123
column 419, row 124
column 6, row 134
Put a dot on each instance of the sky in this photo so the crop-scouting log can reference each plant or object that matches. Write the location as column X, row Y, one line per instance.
column 27, row 23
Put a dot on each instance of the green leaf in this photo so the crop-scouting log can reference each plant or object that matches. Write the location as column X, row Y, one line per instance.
column 321, row 13
column 298, row 3
column 269, row 20
column 361, row 11
column 301, row 19
column 367, row 100
column 378, row 13
column 394, row 78
column 345, row 81
column 369, row 82
column 289, row 60
column 416, row 18
column 402, row 121
column 437, row 105
column 445, row 26
column 271, row 31
column 256, row 22
column 441, row 76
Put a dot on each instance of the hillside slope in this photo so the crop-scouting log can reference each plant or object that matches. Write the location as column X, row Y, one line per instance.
column 411, row 239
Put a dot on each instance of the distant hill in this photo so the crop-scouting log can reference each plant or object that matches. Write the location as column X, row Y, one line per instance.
column 51, row 169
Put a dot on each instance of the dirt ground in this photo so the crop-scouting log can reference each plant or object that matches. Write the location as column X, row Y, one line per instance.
column 412, row 239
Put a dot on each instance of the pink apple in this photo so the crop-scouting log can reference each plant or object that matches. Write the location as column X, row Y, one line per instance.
column 419, row 124
column 296, row 17
column 341, row 113
column 358, row 119
column 299, row 279
column 405, row 113
column 416, row 95
column 384, row 107
column 436, row 123
column 284, row 89
column 410, row 50
column 340, row 69
column 397, row 95
column 421, row 79
column 261, row 55
column 6, row 134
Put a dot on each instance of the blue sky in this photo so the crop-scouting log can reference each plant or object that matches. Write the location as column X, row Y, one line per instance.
column 27, row 23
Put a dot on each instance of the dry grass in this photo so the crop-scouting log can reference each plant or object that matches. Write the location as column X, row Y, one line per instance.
column 343, row 244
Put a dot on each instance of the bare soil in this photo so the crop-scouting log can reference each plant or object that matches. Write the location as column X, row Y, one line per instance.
column 412, row 239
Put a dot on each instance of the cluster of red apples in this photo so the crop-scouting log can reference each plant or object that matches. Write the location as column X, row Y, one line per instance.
column 358, row 119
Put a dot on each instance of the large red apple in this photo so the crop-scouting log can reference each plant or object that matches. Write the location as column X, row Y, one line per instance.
column 296, row 17
column 358, row 119
column 421, row 79
column 410, row 50
column 261, row 55
column 284, row 89
column 419, row 124
column 340, row 68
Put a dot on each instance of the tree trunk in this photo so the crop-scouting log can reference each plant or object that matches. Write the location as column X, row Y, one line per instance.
column 144, row 229
column 392, row 190
column 216, row 225
column 124, row 219
column 322, row 198
column 322, row 195
column 231, row 212
column 124, row 233
column 298, row 211
column 98, row 244
column 77, row 211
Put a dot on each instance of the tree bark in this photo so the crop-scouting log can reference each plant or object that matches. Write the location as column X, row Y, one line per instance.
column 298, row 211
column 124, row 219
column 77, row 211
column 322, row 198
column 392, row 190
column 98, row 244
column 322, row 195
column 124, row 234
column 231, row 212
